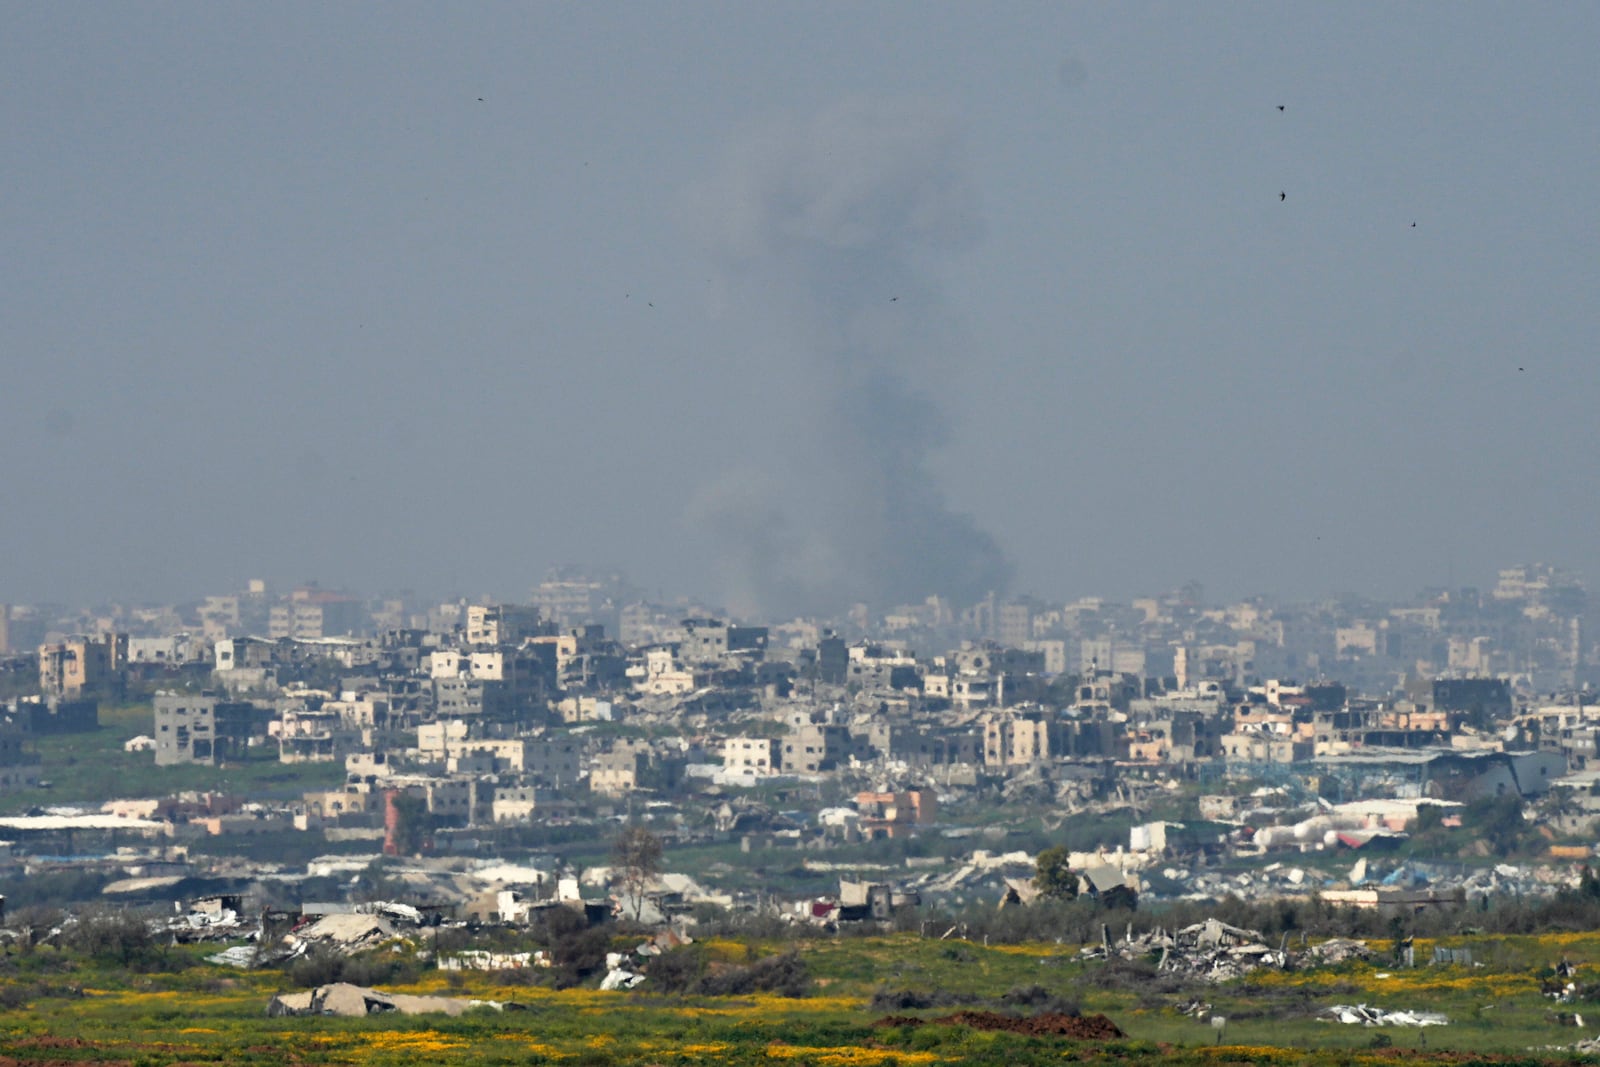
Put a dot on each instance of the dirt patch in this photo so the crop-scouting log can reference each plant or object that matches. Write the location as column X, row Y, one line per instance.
column 1047, row 1024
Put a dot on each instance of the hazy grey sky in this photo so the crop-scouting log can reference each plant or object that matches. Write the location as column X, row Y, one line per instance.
column 435, row 296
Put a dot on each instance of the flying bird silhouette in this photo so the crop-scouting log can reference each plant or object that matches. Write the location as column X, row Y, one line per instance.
column 1282, row 197
column 1280, row 107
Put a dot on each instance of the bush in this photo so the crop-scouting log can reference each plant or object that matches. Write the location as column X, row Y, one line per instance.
column 576, row 949
column 1036, row 998
column 677, row 971
column 117, row 937
column 893, row 1001
column 325, row 966
column 785, row 974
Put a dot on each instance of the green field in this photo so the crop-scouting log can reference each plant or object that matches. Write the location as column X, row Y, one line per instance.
column 91, row 768
column 62, row 1008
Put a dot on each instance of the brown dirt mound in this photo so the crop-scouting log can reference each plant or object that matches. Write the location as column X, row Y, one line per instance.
column 1051, row 1024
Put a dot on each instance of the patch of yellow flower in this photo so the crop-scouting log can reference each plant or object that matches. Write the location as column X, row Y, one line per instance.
column 1251, row 1053
column 196, row 1030
column 1033, row 948
column 1491, row 984
column 767, row 1005
column 549, row 1052
column 412, row 1042
column 1570, row 939
column 545, row 997
column 158, row 997
column 847, row 1055
column 723, row 948
column 538, row 1048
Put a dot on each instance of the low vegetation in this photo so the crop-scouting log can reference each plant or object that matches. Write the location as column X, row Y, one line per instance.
column 106, row 993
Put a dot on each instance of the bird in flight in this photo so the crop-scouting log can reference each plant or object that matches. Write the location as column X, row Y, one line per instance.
column 892, row 299
column 1280, row 107
column 1413, row 225
column 1282, row 197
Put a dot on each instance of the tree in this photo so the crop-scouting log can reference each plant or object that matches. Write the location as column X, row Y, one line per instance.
column 637, row 856
column 118, row 937
column 1497, row 821
column 414, row 824
column 1053, row 875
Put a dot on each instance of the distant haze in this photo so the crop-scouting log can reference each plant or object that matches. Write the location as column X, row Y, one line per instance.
column 818, row 224
column 796, row 304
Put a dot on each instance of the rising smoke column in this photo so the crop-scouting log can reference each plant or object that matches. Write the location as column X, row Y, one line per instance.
column 819, row 225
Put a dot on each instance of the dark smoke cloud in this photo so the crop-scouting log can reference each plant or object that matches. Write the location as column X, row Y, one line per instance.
column 819, row 225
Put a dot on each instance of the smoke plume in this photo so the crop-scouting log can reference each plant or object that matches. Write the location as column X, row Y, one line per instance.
column 819, row 226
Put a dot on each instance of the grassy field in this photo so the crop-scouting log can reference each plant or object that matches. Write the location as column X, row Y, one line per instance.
column 91, row 768
column 56, row 1012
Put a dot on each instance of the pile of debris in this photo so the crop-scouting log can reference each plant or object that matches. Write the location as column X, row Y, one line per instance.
column 212, row 918
column 1215, row 951
column 1294, row 882
column 1212, row 951
column 1338, row 950
column 343, row 933
column 624, row 970
column 345, row 999
column 1366, row 1016
column 340, row 929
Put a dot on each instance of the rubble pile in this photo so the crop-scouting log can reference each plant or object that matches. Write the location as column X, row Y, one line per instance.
column 1338, row 950
column 1361, row 1014
column 342, row 998
column 1290, row 882
column 347, row 934
column 982, row 868
column 240, row 956
column 215, row 918
column 625, row 970
column 1212, row 951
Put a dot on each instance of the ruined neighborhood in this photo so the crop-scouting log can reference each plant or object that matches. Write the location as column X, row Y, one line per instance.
column 478, row 759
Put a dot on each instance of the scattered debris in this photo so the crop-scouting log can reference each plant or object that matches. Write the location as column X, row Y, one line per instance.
column 1367, row 1016
column 483, row 960
column 1212, row 951
column 620, row 978
column 240, row 956
column 1339, row 949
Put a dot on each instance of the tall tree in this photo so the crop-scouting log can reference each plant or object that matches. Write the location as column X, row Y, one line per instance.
column 1053, row 876
column 636, row 854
